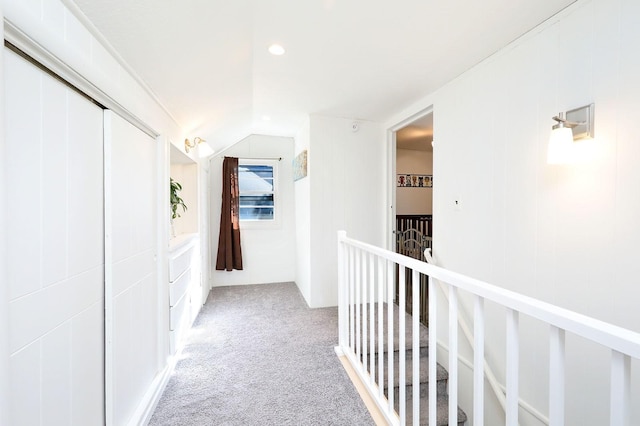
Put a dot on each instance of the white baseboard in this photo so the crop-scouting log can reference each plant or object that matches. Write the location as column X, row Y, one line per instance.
column 149, row 402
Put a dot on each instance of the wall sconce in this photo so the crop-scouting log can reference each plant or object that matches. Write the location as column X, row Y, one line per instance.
column 204, row 150
column 574, row 125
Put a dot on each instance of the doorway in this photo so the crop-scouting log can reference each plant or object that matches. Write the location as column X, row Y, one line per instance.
column 413, row 200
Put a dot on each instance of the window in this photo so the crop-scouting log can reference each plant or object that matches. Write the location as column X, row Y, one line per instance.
column 258, row 183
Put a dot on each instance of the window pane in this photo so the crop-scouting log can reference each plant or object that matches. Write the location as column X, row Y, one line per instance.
column 256, row 213
column 257, row 191
column 256, row 200
column 262, row 171
column 255, row 178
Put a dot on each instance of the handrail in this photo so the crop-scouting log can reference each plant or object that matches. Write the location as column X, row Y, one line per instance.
column 617, row 338
column 362, row 267
column 488, row 372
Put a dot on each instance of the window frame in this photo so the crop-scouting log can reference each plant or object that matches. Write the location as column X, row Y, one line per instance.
column 263, row 223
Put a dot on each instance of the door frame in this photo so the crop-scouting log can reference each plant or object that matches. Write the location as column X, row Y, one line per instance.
column 391, row 167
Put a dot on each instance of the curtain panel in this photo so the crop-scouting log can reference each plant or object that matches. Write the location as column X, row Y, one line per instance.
column 229, row 251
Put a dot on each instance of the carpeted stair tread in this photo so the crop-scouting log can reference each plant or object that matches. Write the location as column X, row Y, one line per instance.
column 442, row 410
column 424, row 331
column 442, row 374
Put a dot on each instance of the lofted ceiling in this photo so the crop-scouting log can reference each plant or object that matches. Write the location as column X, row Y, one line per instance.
column 207, row 60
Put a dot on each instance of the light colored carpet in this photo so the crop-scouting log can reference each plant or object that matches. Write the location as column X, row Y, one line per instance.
column 257, row 355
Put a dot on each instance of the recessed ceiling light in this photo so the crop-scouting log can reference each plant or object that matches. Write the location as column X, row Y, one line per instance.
column 276, row 49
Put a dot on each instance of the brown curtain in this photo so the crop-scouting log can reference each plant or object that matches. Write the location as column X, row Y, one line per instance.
column 229, row 252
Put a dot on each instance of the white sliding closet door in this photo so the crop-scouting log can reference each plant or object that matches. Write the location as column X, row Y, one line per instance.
column 132, row 304
column 55, row 249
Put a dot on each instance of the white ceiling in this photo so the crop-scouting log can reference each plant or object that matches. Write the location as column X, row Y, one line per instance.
column 207, row 60
column 417, row 135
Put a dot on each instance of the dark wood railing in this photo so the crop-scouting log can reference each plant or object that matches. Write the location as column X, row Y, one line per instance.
column 419, row 222
column 413, row 236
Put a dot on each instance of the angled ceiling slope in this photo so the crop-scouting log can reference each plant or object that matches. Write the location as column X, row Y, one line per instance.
column 207, row 60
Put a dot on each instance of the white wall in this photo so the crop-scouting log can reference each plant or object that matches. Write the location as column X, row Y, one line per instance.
column 346, row 176
column 414, row 200
column 187, row 176
column 565, row 234
column 268, row 252
column 303, row 216
column 62, row 39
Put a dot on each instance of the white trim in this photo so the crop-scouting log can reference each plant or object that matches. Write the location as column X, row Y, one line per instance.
column 93, row 30
column 391, row 168
column 51, row 62
column 150, row 400
column 390, row 416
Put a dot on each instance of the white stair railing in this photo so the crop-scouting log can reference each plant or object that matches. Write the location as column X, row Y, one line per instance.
column 366, row 277
column 476, row 341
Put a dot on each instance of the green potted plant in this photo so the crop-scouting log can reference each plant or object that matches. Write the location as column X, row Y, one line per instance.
column 176, row 201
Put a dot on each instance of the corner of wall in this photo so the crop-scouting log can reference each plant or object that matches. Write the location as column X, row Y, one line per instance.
column 302, row 188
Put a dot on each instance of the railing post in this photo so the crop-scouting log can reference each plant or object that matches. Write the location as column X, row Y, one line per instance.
column 342, row 292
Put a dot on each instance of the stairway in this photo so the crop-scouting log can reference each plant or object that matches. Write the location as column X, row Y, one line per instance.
column 442, row 375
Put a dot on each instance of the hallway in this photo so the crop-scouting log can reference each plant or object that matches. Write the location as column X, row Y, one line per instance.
column 258, row 355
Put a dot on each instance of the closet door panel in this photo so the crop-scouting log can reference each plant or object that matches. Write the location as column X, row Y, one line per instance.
column 132, row 298
column 55, row 201
column 86, row 216
column 55, row 241
column 56, row 374
column 23, row 87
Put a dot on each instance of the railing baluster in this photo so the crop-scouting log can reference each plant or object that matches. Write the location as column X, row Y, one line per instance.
column 415, row 352
column 478, row 362
column 352, row 324
column 453, row 355
column 360, row 262
column 620, row 389
column 358, row 283
column 556, row 376
column 372, row 305
column 380, row 326
column 390, row 291
column 402, row 379
column 365, row 360
column 433, row 362
column 513, row 366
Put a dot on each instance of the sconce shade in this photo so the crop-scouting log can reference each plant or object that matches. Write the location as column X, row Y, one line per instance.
column 573, row 125
column 204, row 150
column 560, row 150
